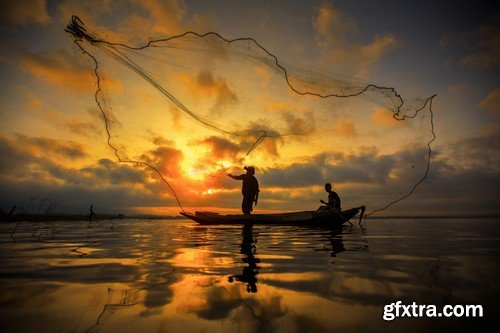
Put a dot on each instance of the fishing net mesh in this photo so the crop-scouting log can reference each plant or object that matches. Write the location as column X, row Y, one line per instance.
column 193, row 107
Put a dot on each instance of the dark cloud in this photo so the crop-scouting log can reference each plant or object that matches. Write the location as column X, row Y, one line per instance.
column 159, row 140
column 480, row 151
column 219, row 87
column 484, row 49
column 218, row 304
column 32, row 166
column 25, row 12
column 478, row 48
column 459, row 183
column 107, row 171
column 80, row 127
column 46, row 145
column 457, row 191
column 232, row 149
column 12, row 158
column 300, row 125
column 93, row 273
column 215, row 88
column 364, row 167
column 296, row 175
column 463, row 183
column 264, row 134
column 76, row 198
column 220, row 301
column 222, row 148
column 491, row 102
column 18, row 150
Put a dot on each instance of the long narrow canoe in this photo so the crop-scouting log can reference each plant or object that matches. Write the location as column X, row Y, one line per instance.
column 311, row 218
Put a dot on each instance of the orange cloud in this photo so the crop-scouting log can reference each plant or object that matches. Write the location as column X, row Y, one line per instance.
column 167, row 15
column 73, row 125
column 33, row 103
column 63, row 69
column 162, row 18
column 91, row 12
column 491, row 102
column 25, row 11
column 384, row 117
column 263, row 73
column 345, row 128
column 166, row 159
column 136, row 20
column 206, row 86
column 279, row 106
column 50, row 162
column 334, row 34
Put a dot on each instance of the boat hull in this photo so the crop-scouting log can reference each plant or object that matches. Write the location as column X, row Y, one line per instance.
column 310, row 218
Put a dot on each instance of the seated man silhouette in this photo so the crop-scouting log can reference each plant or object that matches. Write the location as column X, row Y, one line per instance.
column 333, row 203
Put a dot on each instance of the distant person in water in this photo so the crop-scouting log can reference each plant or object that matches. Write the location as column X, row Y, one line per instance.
column 333, row 200
column 250, row 189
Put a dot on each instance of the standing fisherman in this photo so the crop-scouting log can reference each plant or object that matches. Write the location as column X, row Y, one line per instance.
column 250, row 189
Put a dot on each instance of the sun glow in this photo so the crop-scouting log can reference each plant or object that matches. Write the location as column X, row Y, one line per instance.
column 192, row 168
column 196, row 174
column 211, row 191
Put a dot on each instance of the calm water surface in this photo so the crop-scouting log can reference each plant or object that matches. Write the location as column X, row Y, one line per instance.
column 176, row 276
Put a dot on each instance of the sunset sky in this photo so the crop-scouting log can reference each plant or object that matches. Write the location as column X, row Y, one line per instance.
column 54, row 144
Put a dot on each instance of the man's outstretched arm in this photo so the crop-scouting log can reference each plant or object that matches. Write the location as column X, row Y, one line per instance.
column 240, row 177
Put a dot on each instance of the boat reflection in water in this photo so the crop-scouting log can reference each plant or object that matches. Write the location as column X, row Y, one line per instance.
column 248, row 249
column 334, row 242
column 331, row 239
column 173, row 275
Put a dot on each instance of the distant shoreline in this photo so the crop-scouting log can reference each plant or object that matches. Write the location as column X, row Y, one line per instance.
column 103, row 217
column 393, row 217
column 82, row 217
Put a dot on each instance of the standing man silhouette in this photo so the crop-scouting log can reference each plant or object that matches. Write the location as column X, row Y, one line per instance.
column 250, row 189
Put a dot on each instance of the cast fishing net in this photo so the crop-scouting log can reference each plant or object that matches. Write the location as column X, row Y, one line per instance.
column 192, row 107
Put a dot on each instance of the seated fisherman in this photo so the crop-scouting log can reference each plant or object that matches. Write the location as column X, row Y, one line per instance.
column 333, row 200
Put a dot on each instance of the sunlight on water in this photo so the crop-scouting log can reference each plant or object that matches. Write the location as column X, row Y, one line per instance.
column 175, row 276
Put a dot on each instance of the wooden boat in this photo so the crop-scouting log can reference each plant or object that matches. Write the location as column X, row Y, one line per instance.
column 308, row 218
